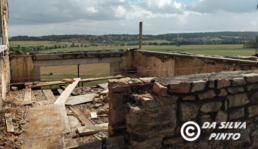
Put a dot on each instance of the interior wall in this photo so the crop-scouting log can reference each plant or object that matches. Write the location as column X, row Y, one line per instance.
column 151, row 64
column 21, row 68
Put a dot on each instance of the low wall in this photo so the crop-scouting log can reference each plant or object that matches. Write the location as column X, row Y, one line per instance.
column 151, row 111
column 158, row 64
column 4, row 77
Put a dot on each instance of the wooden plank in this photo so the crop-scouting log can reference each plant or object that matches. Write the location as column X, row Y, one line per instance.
column 60, row 91
column 42, row 84
column 9, row 122
column 27, row 95
column 49, row 94
column 102, row 78
column 75, row 100
column 67, row 92
column 88, row 130
column 81, row 116
column 111, row 143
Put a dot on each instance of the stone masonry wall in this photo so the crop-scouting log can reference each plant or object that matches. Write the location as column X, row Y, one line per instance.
column 4, row 77
column 155, row 64
column 151, row 111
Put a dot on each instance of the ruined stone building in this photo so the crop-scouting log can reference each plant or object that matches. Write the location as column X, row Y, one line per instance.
column 149, row 97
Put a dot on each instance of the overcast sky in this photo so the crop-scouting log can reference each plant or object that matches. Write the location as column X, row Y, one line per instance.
column 96, row 17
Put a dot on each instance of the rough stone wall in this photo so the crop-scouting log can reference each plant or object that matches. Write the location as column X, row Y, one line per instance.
column 5, row 26
column 4, row 77
column 151, row 111
column 151, row 64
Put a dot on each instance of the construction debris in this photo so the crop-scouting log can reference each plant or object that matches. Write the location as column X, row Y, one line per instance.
column 93, row 115
column 75, row 100
column 90, row 108
column 62, row 99
column 87, row 130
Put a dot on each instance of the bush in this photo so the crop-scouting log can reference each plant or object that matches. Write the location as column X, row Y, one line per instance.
column 51, row 73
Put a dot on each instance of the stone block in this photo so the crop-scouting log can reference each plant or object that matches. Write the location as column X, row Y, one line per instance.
column 237, row 100
column 202, row 119
column 136, row 109
column 211, row 84
column 189, row 98
column 234, row 90
column 211, row 107
column 166, row 101
column 236, row 114
column 251, row 87
column 251, row 78
column 167, row 114
column 180, row 87
column 223, row 83
column 173, row 140
column 188, row 111
column 223, row 92
column 147, row 80
column 254, row 98
column 145, row 118
column 198, row 85
column 226, row 105
column 159, row 89
column 207, row 95
column 149, row 102
column 221, row 117
column 238, row 82
column 252, row 110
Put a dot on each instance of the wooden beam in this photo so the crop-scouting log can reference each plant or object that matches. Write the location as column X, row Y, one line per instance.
column 9, row 122
column 75, row 100
column 42, row 84
column 81, row 116
column 88, row 130
column 49, row 94
column 27, row 95
column 60, row 91
column 102, row 78
column 140, row 37
column 67, row 92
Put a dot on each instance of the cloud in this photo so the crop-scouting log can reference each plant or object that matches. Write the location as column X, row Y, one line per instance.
column 123, row 16
column 212, row 6
column 253, row 23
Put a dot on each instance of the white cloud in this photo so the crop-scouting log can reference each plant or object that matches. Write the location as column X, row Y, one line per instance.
column 123, row 16
column 253, row 23
column 92, row 10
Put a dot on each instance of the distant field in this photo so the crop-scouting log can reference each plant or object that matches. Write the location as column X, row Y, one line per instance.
column 222, row 50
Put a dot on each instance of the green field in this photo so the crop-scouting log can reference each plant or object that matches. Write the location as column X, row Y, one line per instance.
column 222, row 50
